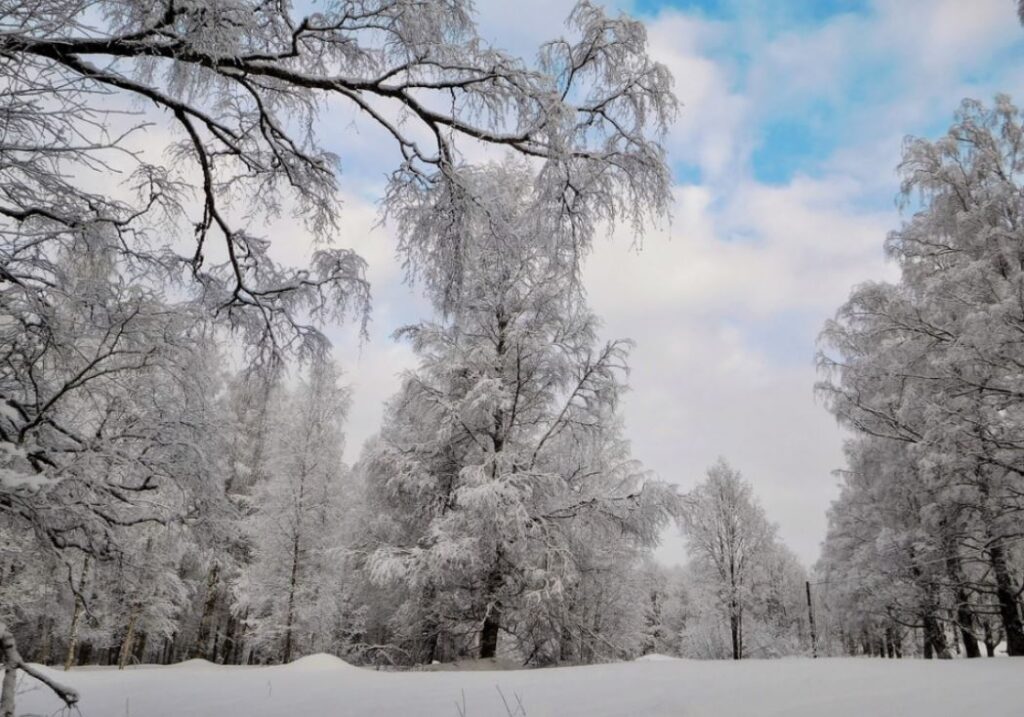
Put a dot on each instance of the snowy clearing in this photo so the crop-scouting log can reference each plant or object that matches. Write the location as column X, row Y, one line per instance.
column 322, row 685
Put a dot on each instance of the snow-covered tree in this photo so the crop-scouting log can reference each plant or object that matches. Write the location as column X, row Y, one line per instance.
column 504, row 443
column 933, row 362
column 286, row 592
column 743, row 574
column 879, row 559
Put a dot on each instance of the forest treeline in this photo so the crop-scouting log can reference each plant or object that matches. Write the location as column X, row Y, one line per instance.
column 926, row 541
column 498, row 512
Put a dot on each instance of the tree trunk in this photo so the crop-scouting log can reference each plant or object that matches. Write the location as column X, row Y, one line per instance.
column 227, row 644
column 964, row 615
column 489, row 631
column 140, row 648
column 293, row 582
column 734, row 630
column 12, row 662
column 129, row 638
column 1009, row 610
column 10, row 682
column 565, row 652
column 76, row 617
column 76, row 620
column 990, row 639
column 492, row 617
column 238, row 651
column 203, row 634
column 168, row 651
column 45, row 639
column 935, row 638
column 965, row 622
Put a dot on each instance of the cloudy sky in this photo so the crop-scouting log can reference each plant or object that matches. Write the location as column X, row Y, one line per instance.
column 784, row 157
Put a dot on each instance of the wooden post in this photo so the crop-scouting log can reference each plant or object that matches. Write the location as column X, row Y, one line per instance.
column 810, row 619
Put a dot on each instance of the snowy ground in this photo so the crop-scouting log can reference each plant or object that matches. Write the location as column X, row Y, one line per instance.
column 322, row 686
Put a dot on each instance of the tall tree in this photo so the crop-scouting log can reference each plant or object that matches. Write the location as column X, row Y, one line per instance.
column 730, row 537
column 505, row 439
column 294, row 519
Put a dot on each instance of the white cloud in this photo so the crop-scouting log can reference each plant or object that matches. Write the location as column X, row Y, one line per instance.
column 708, row 131
column 708, row 379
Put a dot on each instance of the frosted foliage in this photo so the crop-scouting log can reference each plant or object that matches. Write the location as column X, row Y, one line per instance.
column 107, row 392
column 745, row 599
column 927, row 372
column 287, row 592
column 243, row 84
column 501, row 460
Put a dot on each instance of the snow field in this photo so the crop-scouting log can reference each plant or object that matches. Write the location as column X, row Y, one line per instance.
column 325, row 686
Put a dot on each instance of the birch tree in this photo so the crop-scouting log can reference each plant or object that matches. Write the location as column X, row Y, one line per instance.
column 506, row 434
column 295, row 513
column 729, row 535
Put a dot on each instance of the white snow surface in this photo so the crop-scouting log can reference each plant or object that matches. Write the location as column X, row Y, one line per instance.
column 324, row 686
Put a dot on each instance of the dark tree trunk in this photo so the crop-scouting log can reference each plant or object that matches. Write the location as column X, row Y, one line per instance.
column 1009, row 609
column 227, row 645
column 736, row 630
column 45, row 639
column 492, row 617
column 935, row 638
column 971, row 648
column 203, row 634
column 140, row 648
column 215, row 649
column 990, row 639
column 489, row 634
column 964, row 614
column 238, row 644
column 565, row 648
column 965, row 618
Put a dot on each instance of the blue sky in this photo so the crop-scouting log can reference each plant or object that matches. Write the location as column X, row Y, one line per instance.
column 784, row 154
column 800, row 136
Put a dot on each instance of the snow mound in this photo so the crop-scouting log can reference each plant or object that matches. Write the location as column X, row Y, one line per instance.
column 194, row 663
column 655, row 657
column 320, row 661
column 485, row 664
